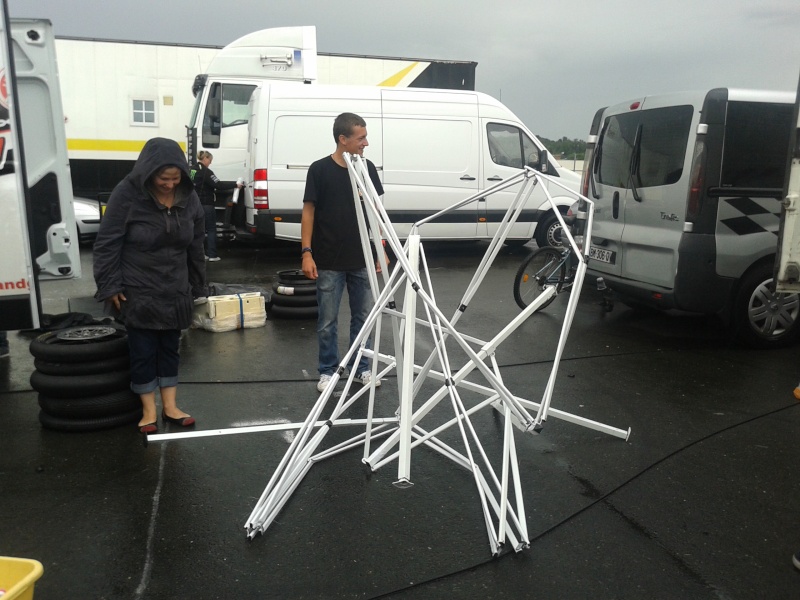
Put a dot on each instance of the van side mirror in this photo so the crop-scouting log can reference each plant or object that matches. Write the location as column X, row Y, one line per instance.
column 542, row 163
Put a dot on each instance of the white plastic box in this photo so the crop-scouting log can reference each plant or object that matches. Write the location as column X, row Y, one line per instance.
column 235, row 311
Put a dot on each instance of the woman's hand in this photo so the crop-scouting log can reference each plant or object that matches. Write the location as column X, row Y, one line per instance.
column 117, row 300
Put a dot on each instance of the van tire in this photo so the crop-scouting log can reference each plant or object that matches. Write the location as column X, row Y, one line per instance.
column 761, row 317
column 548, row 232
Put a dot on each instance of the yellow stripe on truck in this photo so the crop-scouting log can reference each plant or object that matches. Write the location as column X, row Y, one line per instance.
column 110, row 145
column 398, row 77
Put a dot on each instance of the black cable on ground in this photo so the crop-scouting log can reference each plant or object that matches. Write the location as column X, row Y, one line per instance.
column 590, row 505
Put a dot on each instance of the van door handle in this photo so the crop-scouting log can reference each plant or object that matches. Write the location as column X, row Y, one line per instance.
column 467, row 178
column 495, row 178
column 615, row 206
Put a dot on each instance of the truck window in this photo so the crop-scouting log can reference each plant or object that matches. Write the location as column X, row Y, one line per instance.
column 235, row 99
column 509, row 146
column 756, row 139
column 226, row 106
column 662, row 147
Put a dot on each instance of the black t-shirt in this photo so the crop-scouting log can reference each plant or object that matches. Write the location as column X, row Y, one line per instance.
column 335, row 239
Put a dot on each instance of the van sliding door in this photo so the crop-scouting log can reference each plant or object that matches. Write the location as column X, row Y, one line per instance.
column 430, row 161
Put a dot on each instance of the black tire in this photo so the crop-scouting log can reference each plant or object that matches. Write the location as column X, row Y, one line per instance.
column 106, row 405
column 548, row 232
column 118, row 363
column 80, row 344
column 294, row 301
column 49, row 421
column 763, row 318
column 543, row 268
column 66, row 386
column 295, row 289
column 297, row 312
column 293, row 276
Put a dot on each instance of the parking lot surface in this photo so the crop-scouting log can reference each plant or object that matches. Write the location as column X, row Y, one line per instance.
column 700, row 502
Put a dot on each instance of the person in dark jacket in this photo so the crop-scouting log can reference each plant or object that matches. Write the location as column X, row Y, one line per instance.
column 206, row 184
column 149, row 268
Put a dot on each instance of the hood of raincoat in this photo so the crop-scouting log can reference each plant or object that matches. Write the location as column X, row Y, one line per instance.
column 157, row 154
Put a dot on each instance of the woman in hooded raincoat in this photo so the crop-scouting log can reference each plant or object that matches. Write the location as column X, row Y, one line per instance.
column 149, row 267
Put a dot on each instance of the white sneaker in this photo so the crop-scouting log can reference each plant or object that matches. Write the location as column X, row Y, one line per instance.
column 324, row 381
column 365, row 378
column 214, row 259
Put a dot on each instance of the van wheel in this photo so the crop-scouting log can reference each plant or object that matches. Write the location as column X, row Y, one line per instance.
column 763, row 318
column 548, row 232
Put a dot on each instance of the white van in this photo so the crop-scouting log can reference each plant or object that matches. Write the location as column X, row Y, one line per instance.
column 432, row 148
column 687, row 189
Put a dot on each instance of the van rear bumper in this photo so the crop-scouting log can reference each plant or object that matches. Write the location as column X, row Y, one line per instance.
column 697, row 288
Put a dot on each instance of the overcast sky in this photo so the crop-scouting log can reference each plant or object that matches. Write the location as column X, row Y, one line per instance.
column 552, row 63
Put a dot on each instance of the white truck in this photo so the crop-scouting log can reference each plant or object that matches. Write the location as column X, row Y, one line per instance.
column 119, row 94
column 38, row 226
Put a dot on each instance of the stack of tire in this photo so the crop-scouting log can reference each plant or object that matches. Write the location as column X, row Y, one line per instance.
column 83, row 378
column 294, row 296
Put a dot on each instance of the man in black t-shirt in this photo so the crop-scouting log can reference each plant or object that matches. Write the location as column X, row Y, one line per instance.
column 331, row 245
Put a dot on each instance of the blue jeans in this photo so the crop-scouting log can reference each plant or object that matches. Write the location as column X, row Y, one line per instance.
column 330, row 287
column 211, row 230
column 154, row 358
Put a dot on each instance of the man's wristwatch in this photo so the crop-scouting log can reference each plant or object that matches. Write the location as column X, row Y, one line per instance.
column 304, row 250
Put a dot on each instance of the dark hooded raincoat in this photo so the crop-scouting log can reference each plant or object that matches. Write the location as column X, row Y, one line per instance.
column 152, row 254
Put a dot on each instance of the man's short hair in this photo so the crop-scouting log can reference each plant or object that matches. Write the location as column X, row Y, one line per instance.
column 344, row 124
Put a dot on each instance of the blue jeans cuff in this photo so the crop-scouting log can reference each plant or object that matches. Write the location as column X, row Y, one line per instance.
column 144, row 388
column 165, row 382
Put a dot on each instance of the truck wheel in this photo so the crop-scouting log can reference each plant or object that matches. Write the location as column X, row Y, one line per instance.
column 763, row 318
column 548, row 232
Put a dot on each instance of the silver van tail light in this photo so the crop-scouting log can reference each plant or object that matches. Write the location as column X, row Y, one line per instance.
column 698, row 181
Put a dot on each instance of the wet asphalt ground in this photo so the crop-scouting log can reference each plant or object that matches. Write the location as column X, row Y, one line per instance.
column 700, row 502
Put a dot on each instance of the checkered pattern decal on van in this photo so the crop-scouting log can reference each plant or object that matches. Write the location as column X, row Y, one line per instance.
column 745, row 216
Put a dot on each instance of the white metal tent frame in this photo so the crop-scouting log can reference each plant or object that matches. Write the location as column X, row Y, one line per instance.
column 500, row 496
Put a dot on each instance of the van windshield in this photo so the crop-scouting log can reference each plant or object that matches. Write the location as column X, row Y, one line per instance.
column 661, row 152
column 756, row 143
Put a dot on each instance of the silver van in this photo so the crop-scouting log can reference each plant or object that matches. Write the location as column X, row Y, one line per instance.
column 688, row 191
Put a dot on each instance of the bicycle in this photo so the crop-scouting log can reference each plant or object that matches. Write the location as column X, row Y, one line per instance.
column 546, row 267
column 543, row 268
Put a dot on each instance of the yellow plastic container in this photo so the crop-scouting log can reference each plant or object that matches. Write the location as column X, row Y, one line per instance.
column 17, row 576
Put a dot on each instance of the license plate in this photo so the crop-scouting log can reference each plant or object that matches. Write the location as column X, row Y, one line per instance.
column 601, row 255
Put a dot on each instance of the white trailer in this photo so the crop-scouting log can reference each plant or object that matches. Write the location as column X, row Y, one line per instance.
column 119, row 94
